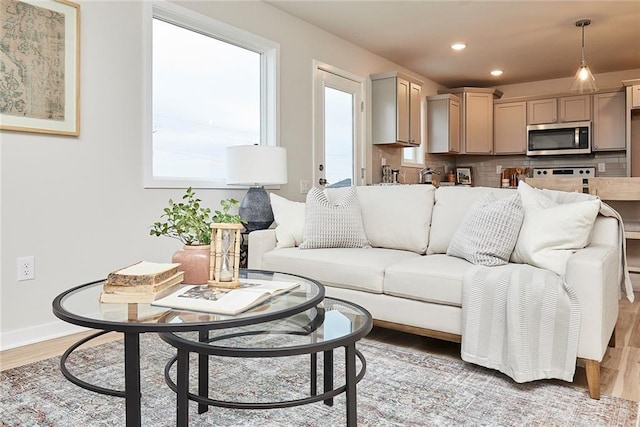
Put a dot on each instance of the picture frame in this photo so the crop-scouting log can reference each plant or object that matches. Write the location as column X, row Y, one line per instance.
column 463, row 176
column 40, row 78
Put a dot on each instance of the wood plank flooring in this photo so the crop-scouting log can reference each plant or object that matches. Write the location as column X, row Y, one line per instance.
column 620, row 369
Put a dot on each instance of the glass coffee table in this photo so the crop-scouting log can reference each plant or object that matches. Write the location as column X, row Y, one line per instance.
column 80, row 306
column 331, row 324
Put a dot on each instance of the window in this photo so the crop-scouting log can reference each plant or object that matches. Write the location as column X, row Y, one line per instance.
column 211, row 86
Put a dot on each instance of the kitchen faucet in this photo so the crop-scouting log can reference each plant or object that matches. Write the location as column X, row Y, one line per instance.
column 427, row 171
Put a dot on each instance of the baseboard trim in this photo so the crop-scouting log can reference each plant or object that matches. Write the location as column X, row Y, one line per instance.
column 36, row 334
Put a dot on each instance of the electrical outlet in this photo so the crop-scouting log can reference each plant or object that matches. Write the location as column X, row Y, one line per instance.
column 601, row 167
column 499, row 169
column 26, row 268
column 304, row 186
column 383, row 161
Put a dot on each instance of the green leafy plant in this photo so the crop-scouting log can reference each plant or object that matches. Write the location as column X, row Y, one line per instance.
column 186, row 221
column 224, row 216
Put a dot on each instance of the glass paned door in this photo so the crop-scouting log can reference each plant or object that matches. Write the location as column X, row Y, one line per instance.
column 338, row 137
column 338, row 146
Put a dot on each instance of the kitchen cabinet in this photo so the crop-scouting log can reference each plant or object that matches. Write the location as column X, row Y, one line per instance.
column 635, row 96
column 396, row 109
column 510, row 128
column 609, row 113
column 476, row 119
column 561, row 109
column 443, row 124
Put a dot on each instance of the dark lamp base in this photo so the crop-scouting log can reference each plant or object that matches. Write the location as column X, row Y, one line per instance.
column 255, row 208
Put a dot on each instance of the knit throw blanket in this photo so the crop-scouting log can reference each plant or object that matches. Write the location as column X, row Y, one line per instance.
column 520, row 320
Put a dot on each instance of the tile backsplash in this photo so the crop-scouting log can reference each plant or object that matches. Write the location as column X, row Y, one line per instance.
column 483, row 168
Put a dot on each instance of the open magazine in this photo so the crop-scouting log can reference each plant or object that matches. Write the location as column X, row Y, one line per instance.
column 251, row 293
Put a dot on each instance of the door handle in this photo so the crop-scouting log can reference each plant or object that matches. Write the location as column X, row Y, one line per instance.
column 323, row 181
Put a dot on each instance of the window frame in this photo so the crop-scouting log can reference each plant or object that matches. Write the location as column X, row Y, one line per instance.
column 269, row 82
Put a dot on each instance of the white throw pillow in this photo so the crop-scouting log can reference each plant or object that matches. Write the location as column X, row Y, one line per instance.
column 552, row 232
column 289, row 218
column 333, row 225
column 451, row 205
column 489, row 231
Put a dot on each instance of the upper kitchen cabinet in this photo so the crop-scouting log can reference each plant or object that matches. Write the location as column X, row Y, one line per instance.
column 562, row 109
column 443, row 124
column 510, row 127
column 476, row 127
column 609, row 121
column 635, row 96
column 396, row 110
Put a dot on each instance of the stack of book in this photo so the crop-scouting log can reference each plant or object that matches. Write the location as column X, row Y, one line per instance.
column 143, row 282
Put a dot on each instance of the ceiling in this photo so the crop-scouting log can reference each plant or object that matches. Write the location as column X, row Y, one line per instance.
column 529, row 40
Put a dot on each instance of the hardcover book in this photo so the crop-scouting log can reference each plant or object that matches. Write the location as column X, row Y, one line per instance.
column 251, row 293
column 143, row 273
column 143, row 294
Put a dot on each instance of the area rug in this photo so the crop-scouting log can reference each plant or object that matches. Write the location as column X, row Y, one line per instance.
column 402, row 387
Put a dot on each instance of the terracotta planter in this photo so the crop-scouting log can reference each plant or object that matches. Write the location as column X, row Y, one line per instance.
column 194, row 261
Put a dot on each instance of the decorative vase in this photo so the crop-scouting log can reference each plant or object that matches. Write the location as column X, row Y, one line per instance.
column 194, row 261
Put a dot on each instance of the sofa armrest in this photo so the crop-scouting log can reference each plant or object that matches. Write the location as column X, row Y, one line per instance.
column 592, row 273
column 260, row 242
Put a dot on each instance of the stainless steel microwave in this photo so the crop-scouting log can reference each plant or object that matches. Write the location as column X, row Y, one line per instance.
column 559, row 138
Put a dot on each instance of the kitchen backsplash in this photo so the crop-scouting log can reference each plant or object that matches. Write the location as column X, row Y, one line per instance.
column 484, row 168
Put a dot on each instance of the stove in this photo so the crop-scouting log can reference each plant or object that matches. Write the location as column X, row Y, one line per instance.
column 570, row 172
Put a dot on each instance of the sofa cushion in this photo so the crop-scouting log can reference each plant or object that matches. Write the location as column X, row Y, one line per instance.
column 489, row 231
column 432, row 278
column 451, row 204
column 353, row 268
column 397, row 216
column 552, row 232
column 335, row 224
column 289, row 219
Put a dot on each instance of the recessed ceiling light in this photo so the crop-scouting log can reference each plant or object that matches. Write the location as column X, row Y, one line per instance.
column 496, row 73
column 458, row 46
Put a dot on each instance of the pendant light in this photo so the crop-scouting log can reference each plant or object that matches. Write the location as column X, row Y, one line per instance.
column 583, row 82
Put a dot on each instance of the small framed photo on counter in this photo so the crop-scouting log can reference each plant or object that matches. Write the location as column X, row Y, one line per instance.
column 463, row 176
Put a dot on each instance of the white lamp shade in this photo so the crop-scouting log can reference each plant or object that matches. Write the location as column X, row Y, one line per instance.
column 256, row 165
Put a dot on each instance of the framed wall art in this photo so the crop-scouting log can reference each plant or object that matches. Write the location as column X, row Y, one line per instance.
column 40, row 66
column 463, row 176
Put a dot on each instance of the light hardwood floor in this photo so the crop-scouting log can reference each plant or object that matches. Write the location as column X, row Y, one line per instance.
column 620, row 369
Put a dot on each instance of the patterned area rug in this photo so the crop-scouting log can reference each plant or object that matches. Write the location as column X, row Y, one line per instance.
column 401, row 388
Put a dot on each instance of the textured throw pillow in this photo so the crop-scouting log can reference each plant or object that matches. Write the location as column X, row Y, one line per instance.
column 552, row 232
column 489, row 231
column 289, row 219
column 333, row 225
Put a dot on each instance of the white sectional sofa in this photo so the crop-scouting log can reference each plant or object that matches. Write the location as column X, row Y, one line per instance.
column 408, row 282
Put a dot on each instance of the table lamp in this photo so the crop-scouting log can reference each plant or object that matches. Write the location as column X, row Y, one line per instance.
column 256, row 166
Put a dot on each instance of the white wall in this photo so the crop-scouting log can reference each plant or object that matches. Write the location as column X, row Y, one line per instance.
column 78, row 205
column 611, row 80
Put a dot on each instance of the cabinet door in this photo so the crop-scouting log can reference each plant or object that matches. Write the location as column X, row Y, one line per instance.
column 454, row 126
column 478, row 123
column 635, row 96
column 575, row 108
column 443, row 124
column 510, row 128
column 542, row 111
column 609, row 113
column 415, row 115
column 403, row 115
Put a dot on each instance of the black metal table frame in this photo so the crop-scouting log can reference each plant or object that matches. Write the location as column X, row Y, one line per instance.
column 205, row 349
column 132, row 331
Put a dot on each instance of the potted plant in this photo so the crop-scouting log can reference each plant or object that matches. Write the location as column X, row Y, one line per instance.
column 190, row 223
column 226, row 227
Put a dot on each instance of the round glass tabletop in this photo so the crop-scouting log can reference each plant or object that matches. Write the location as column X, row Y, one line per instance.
column 81, row 306
column 332, row 323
